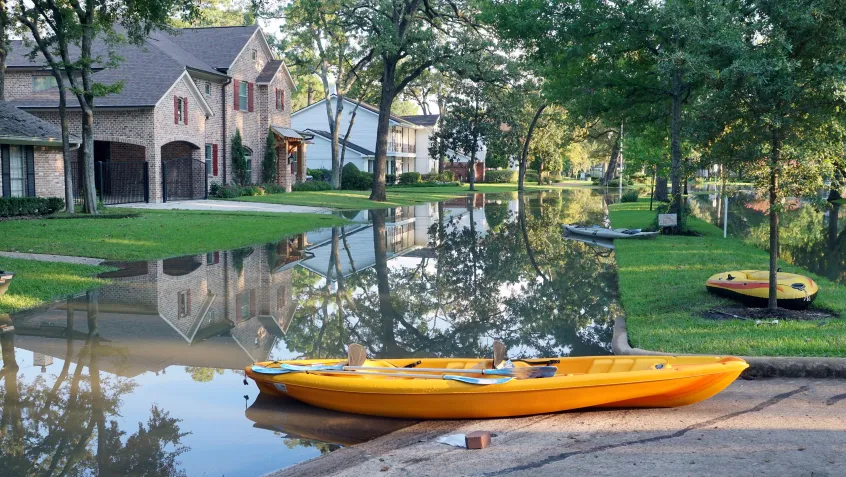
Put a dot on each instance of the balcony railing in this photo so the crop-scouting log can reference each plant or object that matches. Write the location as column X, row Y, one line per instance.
column 397, row 147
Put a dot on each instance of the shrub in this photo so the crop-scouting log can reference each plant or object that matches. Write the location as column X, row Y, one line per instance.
column 501, row 177
column 409, row 178
column 273, row 188
column 447, row 176
column 616, row 183
column 222, row 191
column 324, row 175
column 268, row 163
column 531, row 176
column 630, row 195
column 431, row 184
column 18, row 206
column 354, row 179
column 252, row 190
column 239, row 159
column 390, row 179
column 594, row 180
column 311, row 186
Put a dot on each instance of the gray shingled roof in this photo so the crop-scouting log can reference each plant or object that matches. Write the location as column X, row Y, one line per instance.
column 426, row 120
column 367, row 106
column 269, row 71
column 355, row 147
column 20, row 127
column 216, row 46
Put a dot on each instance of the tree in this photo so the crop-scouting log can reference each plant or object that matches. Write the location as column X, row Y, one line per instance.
column 5, row 29
column 268, row 164
column 406, row 38
column 783, row 85
column 320, row 33
column 216, row 13
column 239, row 160
column 548, row 147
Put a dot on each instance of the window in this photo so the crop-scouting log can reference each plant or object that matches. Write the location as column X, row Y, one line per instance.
column 208, row 159
column 208, row 88
column 242, row 96
column 184, row 303
column 280, row 100
column 370, row 166
column 281, row 298
column 212, row 258
column 43, row 82
column 244, row 312
column 248, row 155
column 255, row 55
column 180, row 110
column 17, row 171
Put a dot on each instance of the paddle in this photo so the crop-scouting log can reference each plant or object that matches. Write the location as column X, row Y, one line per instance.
column 498, row 353
column 448, row 377
column 529, row 372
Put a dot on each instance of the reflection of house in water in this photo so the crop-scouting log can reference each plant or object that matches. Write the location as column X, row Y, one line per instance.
column 222, row 309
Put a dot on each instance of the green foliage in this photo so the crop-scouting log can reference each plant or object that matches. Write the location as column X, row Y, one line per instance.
column 531, row 176
column 500, row 177
column 390, row 179
column 232, row 191
column 311, row 186
column 239, row 159
column 22, row 206
column 404, row 108
column 324, row 175
column 224, row 191
column 630, row 195
column 251, row 190
column 409, row 178
column 353, row 179
column 268, row 164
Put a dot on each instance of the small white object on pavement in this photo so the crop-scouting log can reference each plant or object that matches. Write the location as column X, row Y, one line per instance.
column 455, row 440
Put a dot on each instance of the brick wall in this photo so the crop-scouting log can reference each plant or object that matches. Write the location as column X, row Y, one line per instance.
column 214, row 133
column 18, row 84
column 49, row 172
column 123, row 152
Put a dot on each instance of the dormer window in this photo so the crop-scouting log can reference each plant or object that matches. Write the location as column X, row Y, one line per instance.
column 208, row 88
column 43, row 82
column 180, row 110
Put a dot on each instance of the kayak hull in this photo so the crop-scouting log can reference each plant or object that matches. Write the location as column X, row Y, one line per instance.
column 580, row 383
column 599, row 232
column 752, row 288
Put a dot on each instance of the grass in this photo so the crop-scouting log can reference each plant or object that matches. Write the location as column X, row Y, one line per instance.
column 397, row 196
column 154, row 234
column 36, row 283
column 662, row 289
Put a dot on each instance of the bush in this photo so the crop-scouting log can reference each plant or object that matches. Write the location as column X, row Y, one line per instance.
column 354, row 179
column 616, row 183
column 430, row 184
column 324, row 175
column 630, row 195
column 640, row 177
column 311, row 186
column 273, row 188
column 390, row 179
column 252, row 190
column 445, row 177
column 531, row 176
column 222, row 191
column 409, row 178
column 18, row 206
column 594, row 180
column 500, row 177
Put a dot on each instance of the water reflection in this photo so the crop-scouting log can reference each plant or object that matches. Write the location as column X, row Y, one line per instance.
column 811, row 236
column 438, row 279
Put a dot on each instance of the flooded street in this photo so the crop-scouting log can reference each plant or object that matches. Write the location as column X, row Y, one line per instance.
column 146, row 372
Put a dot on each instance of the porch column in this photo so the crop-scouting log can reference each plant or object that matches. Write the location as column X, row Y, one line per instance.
column 301, row 165
column 283, row 169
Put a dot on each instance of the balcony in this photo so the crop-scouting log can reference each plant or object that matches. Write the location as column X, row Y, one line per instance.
column 399, row 147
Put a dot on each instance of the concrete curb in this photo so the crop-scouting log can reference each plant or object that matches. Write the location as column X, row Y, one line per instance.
column 43, row 257
column 759, row 366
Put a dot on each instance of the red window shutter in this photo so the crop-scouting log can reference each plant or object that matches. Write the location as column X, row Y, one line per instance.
column 214, row 159
column 250, row 97
column 277, row 98
column 282, row 100
column 236, row 87
column 185, row 110
column 252, row 303
column 175, row 110
column 216, row 258
column 188, row 301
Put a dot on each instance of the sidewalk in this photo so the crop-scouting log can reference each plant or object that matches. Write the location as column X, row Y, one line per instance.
column 762, row 427
column 228, row 206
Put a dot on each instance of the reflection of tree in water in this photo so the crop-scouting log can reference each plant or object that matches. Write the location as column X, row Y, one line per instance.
column 66, row 430
column 203, row 375
column 323, row 447
column 471, row 286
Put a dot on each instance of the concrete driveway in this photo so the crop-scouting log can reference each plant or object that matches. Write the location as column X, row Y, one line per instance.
column 229, row 206
column 794, row 427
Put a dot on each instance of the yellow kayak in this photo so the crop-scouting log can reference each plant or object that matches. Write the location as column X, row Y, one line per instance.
column 612, row 381
column 752, row 287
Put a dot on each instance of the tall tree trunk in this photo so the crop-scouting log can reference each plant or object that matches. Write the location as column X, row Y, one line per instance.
column 89, row 187
column 441, row 149
column 382, row 130
column 675, row 140
column 524, row 156
column 661, row 190
column 386, row 308
column 86, row 102
column 613, row 162
column 775, row 156
column 67, row 159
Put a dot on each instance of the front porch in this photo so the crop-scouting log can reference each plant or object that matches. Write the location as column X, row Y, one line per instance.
column 291, row 164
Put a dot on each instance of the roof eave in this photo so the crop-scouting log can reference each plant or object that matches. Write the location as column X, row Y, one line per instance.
column 34, row 141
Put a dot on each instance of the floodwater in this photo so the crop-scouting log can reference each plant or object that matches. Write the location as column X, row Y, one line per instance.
column 144, row 375
column 811, row 235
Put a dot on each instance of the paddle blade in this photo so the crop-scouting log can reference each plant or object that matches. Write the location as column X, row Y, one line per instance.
column 356, row 355
column 529, row 372
column 481, row 381
column 498, row 353
column 262, row 370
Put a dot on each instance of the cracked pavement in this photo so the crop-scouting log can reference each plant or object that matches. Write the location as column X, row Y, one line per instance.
column 793, row 427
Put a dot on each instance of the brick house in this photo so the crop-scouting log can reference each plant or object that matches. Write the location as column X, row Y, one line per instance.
column 166, row 135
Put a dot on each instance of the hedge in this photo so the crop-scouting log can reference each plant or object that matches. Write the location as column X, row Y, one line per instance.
column 312, row 186
column 500, row 177
column 20, row 206
column 409, row 178
column 354, row 179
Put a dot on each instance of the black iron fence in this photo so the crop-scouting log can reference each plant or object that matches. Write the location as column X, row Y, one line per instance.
column 117, row 182
column 184, row 179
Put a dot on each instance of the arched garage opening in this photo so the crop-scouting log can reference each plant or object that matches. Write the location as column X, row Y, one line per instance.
column 183, row 173
column 120, row 173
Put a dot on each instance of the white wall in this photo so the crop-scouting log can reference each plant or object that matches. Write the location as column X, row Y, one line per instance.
column 422, row 163
column 319, row 155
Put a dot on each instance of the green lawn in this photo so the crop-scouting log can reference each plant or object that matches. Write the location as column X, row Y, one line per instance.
column 662, row 289
column 397, row 196
column 38, row 282
column 155, row 234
